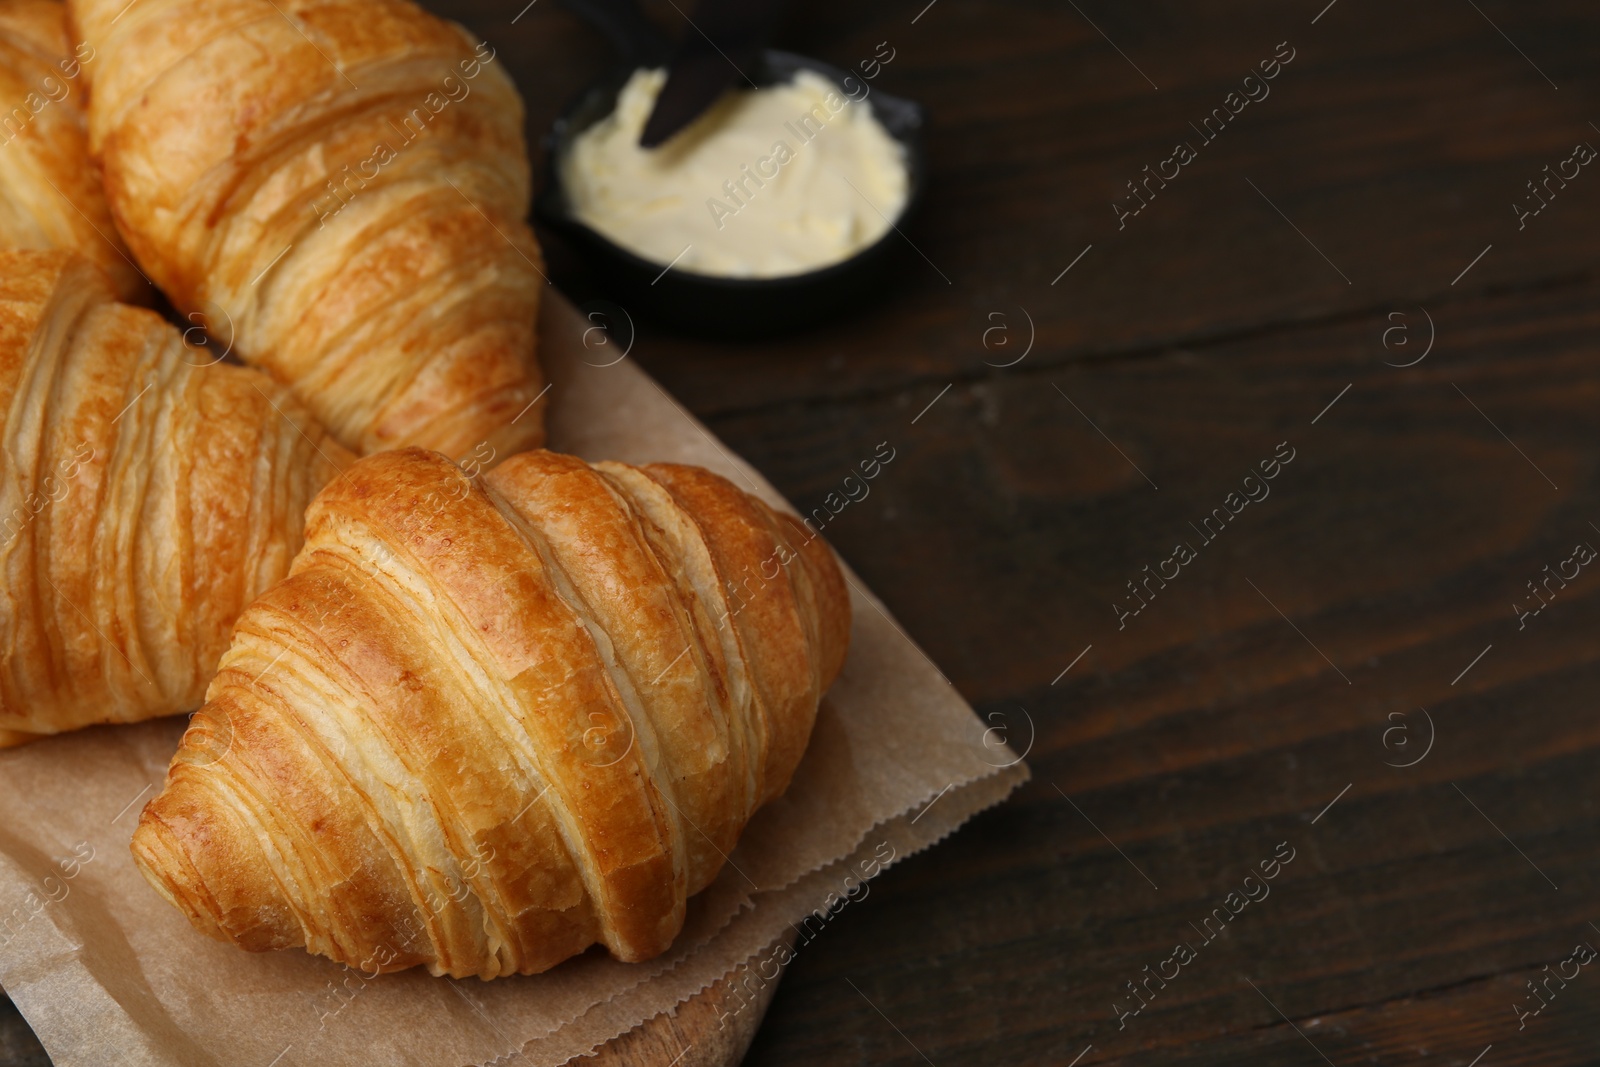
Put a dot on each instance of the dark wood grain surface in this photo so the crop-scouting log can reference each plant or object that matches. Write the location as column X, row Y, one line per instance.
column 1359, row 618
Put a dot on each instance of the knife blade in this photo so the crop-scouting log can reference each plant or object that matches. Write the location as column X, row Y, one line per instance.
column 720, row 46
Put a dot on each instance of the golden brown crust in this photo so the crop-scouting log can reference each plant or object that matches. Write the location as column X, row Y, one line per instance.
column 347, row 205
column 487, row 723
column 50, row 194
column 146, row 497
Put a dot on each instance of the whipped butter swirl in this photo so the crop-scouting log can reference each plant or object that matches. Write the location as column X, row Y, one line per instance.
column 768, row 182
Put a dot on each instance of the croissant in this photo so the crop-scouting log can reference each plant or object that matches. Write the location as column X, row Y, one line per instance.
column 487, row 723
column 339, row 189
column 49, row 194
column 145, row 499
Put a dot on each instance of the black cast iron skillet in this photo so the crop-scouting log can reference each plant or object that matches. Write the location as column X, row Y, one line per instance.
column 703, row 303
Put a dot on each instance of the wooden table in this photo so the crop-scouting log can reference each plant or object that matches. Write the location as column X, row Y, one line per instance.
column 1341, row 672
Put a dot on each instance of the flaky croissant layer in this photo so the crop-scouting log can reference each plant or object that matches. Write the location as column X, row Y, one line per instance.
column 50, row 195
column 487, row 723
column 146, row 496
column 339, row 188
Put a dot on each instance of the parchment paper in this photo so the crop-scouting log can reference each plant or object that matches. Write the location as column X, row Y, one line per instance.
column 108, row 973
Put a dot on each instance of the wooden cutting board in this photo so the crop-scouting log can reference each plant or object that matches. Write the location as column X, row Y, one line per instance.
column 695, row 1033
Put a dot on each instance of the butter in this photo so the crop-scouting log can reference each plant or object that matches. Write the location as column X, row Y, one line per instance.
column 768, row 182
